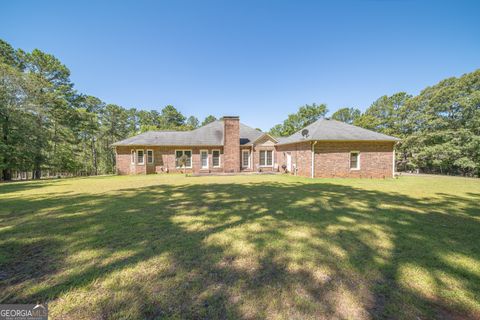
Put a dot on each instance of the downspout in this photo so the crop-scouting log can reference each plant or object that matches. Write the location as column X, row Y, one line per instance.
column 313, row 159
column 393, row 162
column 253, row 162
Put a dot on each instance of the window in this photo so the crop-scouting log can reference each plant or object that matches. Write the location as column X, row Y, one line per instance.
column 133, row 156
column 179, row 154
column 266, row 158
column 140, row 157
column 354, row 160
column 204, row 158
column 245, row 159
column 216, row 158
column 150, row 156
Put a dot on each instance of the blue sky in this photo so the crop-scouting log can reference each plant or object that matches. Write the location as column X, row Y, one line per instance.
column 260, row 60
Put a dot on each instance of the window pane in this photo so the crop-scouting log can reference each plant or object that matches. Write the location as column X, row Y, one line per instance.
column 245, row 156
column 269, row 158
column 150, row 156
column 216, row 158
column 262, row 158
column 133, row 156
column 178, row 154
column 354, row 160
column 140, row 156
column 204, row 159
column 188, row 163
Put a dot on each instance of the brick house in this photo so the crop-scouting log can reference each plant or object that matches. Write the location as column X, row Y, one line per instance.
column 325, row 148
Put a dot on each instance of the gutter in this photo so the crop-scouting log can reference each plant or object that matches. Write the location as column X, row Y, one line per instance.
column 252, row 158
column 313, row 159
column 308, row 140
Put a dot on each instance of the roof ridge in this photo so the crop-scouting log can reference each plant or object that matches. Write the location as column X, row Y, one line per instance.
column 246, row 125
column 208, row 124
column 161, row 131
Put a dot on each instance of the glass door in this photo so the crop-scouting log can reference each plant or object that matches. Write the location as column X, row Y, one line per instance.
column 204, row 158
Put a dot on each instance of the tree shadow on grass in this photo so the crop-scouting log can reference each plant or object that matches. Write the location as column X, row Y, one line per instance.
column 18, row 186
column 257, row 250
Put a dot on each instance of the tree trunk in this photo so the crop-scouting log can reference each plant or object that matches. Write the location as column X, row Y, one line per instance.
column 37, row 172
column 7, row 172
column 37, row 161
column 94, row 156
column 6, row 175
column 54, row 150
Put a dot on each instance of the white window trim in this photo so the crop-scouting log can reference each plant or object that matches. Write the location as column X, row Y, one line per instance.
column 133, row 156
column 143, row 158
column 153, row 156
column 183, row 152
column 208, row 162
column 219, row 158
column 249, row 156
column 273, row 158
column 350, row 159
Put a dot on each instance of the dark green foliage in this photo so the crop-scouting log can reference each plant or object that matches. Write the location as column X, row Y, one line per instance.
column 305, row 115
column 439, row 128
column 47, row 128
column 8, row 55
column 347, row 115
column 385, row 115
column 192, row 123
column 208, row 120
column 172, row 118
column 442, row 127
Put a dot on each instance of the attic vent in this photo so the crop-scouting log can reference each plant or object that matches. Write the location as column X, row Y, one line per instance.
column 305, row 133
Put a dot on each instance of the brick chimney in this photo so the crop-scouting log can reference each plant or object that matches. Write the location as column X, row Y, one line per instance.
column 231, row 144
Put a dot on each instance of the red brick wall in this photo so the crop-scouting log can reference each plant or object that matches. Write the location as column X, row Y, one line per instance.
column 124, row 164
column 332, row 159
column 301, row 157
column 256, row 158
column 231, row 144
column 164, row 160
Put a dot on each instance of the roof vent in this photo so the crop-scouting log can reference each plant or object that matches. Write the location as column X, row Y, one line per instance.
column 305, row 133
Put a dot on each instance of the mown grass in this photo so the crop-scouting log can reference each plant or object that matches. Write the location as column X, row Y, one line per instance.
column 249, row 247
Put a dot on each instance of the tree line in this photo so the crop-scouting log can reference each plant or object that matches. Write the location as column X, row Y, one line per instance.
column 439, row 128
column 47, row 128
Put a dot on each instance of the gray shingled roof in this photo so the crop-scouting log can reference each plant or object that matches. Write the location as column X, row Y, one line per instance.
column 326, row 129
column 208, row 135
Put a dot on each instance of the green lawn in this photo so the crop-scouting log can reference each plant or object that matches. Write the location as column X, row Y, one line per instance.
column 277, row 247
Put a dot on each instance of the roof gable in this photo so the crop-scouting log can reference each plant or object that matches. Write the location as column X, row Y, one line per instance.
column 265, row 139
